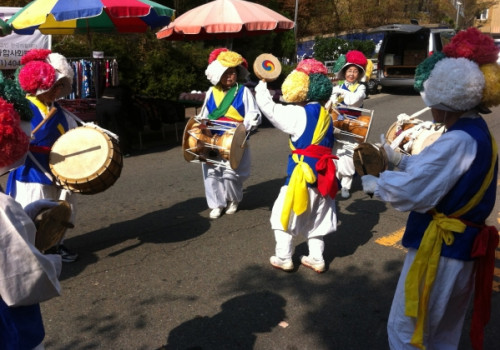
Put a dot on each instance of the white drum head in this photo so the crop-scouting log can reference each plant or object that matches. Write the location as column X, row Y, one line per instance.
column 80, row 154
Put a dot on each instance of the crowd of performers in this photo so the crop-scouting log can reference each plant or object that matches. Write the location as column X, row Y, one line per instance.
column 450, row 186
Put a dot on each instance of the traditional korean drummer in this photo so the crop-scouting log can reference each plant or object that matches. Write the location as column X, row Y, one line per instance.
column 45, row 77
column 227, row 101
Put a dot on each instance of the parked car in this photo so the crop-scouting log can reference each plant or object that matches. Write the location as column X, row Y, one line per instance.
column 403, row 47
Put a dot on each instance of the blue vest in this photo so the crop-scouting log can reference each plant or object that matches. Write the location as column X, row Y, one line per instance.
column 466, row 187
column 237, row 104
column 21, row 328
column 46, row 136
column 344, row 87
column 305, row 140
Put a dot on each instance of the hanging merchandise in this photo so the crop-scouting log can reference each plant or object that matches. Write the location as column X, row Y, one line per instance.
column 114, row 73
column 92, row 76
column 86, row 78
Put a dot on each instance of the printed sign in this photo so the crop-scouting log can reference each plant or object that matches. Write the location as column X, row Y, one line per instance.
column 14, row 46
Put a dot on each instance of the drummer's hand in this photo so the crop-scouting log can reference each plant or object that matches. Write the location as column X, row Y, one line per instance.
column 393, row 156
column 369, row 183
column 34, row 208
column 254, row 123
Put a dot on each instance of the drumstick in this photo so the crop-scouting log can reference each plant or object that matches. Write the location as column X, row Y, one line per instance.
column 422, row 111
column 364, row 169
column 51, row 113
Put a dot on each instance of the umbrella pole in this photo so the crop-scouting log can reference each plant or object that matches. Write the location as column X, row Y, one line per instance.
column 229, row 43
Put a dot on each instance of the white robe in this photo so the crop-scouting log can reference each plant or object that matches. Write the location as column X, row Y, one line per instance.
column 27, row 276
column 320, row 217
column 424, row 180
column 223, row 184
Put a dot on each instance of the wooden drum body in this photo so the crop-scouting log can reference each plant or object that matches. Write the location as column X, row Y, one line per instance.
column 412, row 136
column 214, row 142
column 86, row 160
column 51, row 225
column 370, row 159
column 354, row 123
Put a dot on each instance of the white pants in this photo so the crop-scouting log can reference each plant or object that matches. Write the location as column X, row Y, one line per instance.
column 284, row 248
column 345, row 171
column 28, row 192
column 448, row 303
column 319, row 219
column 223, row 184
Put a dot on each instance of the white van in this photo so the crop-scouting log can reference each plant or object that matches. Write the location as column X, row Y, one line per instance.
column 404, row 47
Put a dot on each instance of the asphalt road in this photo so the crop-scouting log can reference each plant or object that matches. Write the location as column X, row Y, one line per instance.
column 154, row 270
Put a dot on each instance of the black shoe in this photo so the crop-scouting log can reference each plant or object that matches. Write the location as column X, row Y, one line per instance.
column 66, row 255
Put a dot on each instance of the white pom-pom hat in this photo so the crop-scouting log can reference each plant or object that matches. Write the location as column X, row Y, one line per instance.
column 454, row 84
column 64, row 74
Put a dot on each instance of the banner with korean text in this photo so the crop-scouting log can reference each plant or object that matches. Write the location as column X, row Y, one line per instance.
column 14, row 46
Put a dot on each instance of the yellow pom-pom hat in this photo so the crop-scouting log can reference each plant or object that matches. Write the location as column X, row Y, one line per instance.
column 220, row 60
column 307, row 82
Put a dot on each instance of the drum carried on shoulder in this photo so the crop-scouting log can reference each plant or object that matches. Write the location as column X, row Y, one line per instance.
column 354, row 124
column 411, row 136
column 86, row 160
column 408, row 135
column 214, row 142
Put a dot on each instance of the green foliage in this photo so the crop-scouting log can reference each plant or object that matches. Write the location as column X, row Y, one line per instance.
column 365, row 46
column 329, row 49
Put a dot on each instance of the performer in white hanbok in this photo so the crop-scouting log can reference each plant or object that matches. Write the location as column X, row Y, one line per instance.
column 306, row 203
column 450, row 189
column 27, row 277
column 350, row 92
column 227, row 101
column 45, row 77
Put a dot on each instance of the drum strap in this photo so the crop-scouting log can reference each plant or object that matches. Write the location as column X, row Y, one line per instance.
column 226, row 102
column 425, row 265
column 37, row 163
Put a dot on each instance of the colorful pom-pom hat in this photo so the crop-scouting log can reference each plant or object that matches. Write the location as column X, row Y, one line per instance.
column 14, row 142
column 356, row 58
column 41, row 69
column 220, row 60
column 307, row 82
column 463, row 76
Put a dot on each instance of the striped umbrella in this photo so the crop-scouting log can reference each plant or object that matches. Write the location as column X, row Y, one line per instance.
column 88, row 16
column 225, row 19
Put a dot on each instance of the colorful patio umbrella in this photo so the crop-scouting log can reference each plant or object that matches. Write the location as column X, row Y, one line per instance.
column 223, row 19
column 88, row 16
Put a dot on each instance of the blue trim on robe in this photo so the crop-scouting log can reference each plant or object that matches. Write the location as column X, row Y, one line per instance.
column 237, row 104
column 466, row 187
column 305, row 140
column 45, row 136
column 344, row 87
column 21, row 328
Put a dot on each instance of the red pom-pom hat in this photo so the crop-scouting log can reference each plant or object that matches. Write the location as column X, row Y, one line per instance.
column 42, row 69
column 311, row 66
column 353, row 57
column 14, row 142
column 473, row 45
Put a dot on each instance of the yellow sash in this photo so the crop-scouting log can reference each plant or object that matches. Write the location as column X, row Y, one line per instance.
column 232, row 113
column 425, row 264
column 44, row 109
column 297, row 197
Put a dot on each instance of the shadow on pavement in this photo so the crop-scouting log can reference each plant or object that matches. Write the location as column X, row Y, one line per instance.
column 234, row 327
